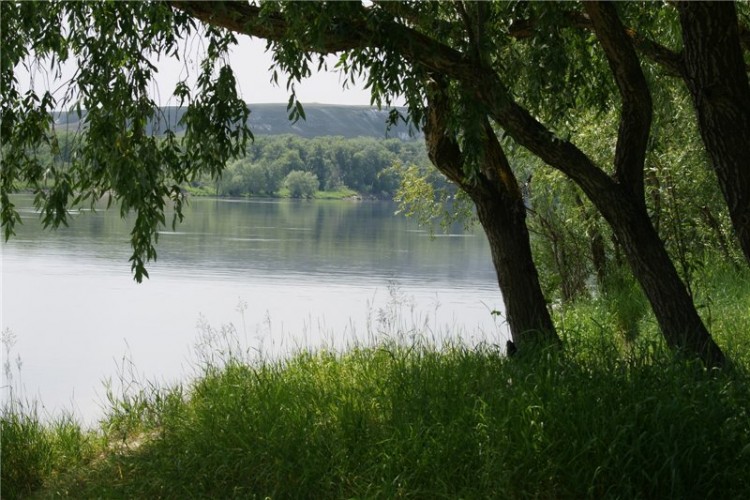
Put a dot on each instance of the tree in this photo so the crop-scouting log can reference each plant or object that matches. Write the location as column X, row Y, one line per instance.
column 319, row 164
column 403, row 48
column 301, row 184
column 712, row 67
column 620, row 197
column 118, row 157
column 501, row 211
column 716, row 76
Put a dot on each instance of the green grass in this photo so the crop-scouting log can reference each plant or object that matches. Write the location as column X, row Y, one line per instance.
column 36, row 453
column 607, row 418
column 339, row 194
column 200, row 189
column 414, row 422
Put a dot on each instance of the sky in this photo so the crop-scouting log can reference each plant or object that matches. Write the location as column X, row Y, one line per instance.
column 251, row 65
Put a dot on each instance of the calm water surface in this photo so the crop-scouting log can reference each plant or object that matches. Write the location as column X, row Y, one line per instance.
column 286, row 275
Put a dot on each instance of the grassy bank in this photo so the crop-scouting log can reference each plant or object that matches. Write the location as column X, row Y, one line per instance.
column 339, row 194
column 607, row 418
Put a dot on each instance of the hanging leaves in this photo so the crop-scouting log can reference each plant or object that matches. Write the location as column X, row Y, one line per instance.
column 130, row 153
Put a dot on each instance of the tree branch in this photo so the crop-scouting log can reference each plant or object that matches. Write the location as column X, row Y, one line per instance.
column 442, row 148
column 635, row 118
column 247, row 19
column 445, row 153
column 668, row 59
column 496, row 167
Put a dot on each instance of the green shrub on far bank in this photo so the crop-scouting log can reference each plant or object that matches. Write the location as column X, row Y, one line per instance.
column 301, row 184
column 339, row 194
column 360, row 164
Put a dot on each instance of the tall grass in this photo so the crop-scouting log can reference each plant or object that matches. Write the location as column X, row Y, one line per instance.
column 603, row 419
column 414, row 422
column 33, row 452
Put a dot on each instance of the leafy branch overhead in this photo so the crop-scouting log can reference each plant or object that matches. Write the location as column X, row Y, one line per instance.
column 140, row 170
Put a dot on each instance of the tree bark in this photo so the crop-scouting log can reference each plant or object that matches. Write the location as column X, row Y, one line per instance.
column 717, row 80
column 626, row 211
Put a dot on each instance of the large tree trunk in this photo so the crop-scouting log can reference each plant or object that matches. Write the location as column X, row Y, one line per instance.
column 502, row 213
column 504, row 222
column 716, row 77
column 623, row 202
column 673, row 307
column 625, row 211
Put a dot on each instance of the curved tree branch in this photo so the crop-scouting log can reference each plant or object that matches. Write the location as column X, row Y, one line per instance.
column 442, row 149
column 637, row 108
column 247, row 19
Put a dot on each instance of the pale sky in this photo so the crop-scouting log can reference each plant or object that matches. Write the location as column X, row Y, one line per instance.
column 251, row 65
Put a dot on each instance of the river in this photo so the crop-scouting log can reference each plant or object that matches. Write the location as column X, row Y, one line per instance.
column 283, row 275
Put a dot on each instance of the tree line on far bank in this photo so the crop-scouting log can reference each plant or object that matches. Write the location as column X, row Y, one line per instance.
column 305, row 166
column 296, row 166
